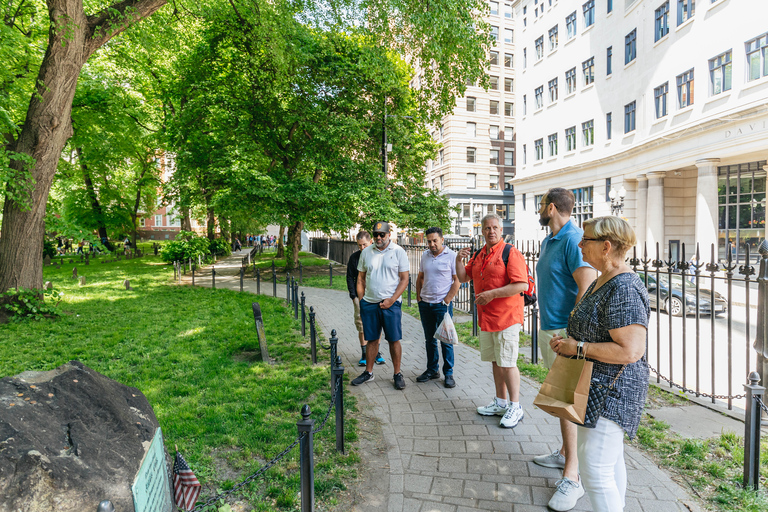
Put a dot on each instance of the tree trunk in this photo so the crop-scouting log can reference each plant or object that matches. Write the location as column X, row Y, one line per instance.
column 280, row 247
column 294, row 245
column 186, row 220
column 137, row 203
column 211, row 223
column 224, row 228
column 72, row 38
column 98, row 211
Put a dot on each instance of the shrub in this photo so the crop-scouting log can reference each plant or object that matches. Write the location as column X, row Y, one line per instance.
column 31, row 303
column 49, row 248
column 186, row 245
column 220, row 247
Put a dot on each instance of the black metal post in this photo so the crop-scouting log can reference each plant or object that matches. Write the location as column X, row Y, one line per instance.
column 303, row 316
column 409, row 290
column 334, row 342
column 274, row 280
column 330, row 274
column 242, row 274
column 306, row 459
column 312, row 335
column 338, row 376
column 535, row 334
column 474, row 307
column 258, row 281
column 761, row 333
column 213, row 277
column 288, row 287
column 296, row 300
column 752, row 416
column 301, row 273
column 175, row 265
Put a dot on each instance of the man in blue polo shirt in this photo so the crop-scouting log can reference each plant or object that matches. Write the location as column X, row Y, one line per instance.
column 563, row 277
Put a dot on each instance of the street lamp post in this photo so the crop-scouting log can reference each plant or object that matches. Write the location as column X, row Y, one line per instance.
column 617, row 200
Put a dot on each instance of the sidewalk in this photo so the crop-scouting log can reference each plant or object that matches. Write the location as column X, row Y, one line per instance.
column 443, row 456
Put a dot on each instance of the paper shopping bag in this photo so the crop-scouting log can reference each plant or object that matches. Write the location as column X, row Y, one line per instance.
column 565, row 391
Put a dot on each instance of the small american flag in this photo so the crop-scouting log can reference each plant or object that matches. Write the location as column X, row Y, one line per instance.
column 186, row 488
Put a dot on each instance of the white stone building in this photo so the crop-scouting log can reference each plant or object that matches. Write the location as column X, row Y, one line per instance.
column 665, row 99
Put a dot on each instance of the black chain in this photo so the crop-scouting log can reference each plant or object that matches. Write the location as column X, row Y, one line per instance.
column 761, row 404
column 224, row 495
column 698, row 393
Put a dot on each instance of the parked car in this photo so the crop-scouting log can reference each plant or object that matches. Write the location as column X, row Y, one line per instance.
column 672, row 302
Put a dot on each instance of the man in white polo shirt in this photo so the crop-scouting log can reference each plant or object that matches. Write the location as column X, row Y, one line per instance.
column 436, row 286
column 383, row 276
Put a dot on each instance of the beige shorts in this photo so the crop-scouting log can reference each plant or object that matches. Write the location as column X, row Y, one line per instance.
column 501, row 346
column 547, row 354
column 358, row 320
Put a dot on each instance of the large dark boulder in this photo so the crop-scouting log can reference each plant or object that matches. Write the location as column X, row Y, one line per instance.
column 70, row 438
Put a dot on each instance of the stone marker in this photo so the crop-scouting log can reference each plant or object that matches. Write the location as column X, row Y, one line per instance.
column 47, row 260
column 73, row 438
column 82, row 280
column 87, row 259
column 260, row 331
column 48, row 285
column 127, row 284
column 71, row 260
column 74, row 272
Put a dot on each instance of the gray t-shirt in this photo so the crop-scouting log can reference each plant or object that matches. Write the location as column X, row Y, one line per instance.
column 438, row 274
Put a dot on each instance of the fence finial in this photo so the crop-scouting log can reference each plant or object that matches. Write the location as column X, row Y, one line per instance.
column 763, row 248
column 754, row 379
column 305, row 412
column 106, row 506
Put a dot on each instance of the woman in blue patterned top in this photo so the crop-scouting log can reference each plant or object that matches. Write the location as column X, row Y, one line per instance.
column 609, row 326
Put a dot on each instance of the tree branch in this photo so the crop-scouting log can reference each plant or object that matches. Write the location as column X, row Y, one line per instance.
column 114, row 19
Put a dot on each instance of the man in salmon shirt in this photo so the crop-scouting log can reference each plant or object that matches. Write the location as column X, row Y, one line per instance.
column 500, row 311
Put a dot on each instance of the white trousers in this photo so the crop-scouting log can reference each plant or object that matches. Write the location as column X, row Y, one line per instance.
column 601, row 465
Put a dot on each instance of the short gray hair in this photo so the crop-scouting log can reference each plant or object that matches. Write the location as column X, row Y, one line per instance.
column 489, row 217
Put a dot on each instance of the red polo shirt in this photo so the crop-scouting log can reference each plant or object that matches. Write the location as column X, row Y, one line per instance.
column 488, row 273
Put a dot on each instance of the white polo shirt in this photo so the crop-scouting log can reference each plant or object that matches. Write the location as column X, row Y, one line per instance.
column 438, row 274
column 382, row 271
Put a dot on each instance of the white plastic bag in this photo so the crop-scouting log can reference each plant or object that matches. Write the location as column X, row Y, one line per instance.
column 446, row 331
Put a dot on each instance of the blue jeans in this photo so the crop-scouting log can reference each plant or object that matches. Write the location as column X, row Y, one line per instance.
column 431, row 316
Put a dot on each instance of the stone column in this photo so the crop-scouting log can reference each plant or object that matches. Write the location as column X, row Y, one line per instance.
column 641, row 212
column 654, row 224
column 706, row 206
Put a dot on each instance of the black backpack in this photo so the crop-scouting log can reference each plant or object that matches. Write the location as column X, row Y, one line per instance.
column 529, row 295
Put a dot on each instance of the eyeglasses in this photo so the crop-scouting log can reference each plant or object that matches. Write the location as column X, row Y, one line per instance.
column 380, row 235
column 585, row 239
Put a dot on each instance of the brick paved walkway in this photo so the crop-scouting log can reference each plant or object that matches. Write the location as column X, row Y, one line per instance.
column 443, row 456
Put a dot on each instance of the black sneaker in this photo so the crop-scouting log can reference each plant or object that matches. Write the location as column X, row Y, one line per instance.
column 362, row 378
column 427, row 375
column 449, row 382
column 399, row 381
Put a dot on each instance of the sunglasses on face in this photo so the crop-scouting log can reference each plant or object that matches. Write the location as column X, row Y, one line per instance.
column 380, row 235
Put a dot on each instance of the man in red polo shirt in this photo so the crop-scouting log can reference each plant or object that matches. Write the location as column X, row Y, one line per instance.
column 500, row 311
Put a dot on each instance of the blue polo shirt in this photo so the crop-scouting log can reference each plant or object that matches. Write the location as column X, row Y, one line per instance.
column 557, row 289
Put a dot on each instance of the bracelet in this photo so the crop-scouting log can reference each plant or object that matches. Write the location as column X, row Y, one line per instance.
column 584, row 350
column 579, row 353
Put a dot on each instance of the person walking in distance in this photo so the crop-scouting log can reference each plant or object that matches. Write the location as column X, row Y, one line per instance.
column 499, row 274
column 384, row 271
column 363, row 240
column 436, row 286
column 563, row 277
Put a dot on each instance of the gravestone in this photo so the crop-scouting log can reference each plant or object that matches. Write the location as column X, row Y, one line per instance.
column 47, row 260
column 127, row 284
column 74, row 272
column 73, row 438
column 48, row 285
column 82, row 281
column 71, row 260
column 87, row 259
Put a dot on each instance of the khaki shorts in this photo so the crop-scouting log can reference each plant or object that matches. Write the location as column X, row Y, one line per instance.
column 501, row 346
column 358, row 320
column 547, row 354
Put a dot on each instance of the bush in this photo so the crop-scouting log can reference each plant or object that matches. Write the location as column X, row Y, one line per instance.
column 31, row 303
column 220, row 247
column 186, row 245
column 49, row 248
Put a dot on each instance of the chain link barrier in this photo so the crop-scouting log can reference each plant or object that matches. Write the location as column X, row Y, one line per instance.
column 224, row 495
column 693, row 392
column 761, row 404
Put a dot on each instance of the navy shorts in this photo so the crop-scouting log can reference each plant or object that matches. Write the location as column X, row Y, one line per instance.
column 375, row 319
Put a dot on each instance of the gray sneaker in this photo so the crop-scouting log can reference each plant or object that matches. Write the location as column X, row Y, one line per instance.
column 553, row 460
column 566, row 495
column 492, row 409
column 362, row 378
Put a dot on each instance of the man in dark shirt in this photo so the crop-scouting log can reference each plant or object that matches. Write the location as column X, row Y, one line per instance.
column 363, row 241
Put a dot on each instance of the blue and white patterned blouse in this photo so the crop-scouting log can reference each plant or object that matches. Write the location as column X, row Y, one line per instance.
column 622, row 301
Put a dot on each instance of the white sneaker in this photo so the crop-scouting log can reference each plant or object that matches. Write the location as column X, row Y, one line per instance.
column 492, row 409
column 512, row 417
column 566, row 495
column 552, row 460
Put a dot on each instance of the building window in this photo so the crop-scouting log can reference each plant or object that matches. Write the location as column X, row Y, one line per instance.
column 494, row 58
column 158, row 220
column 570, row 138
column 589, row 13
column 540, row 48
column 508, row 85
column 508, row 60
column 493, row 181
column 539, row 148
column 570, row 81
column 441, row 131
column 608, row 125
column 508, row 133
column 539, row 92
column 741, row 212
column 757, row 57
column 588, row 132
column 509, row 157
column 494, row 110
column 471, row 104
column 524, row 205
column 442, row 182
column 552, row 143
column 494, row 157
column 685, row 10
column 570, row 25
column 660, row 99
column 553, row 90
column 582, row 208
column 509, row 109
column 501, row 211
column 525, row 104
column 466, row 214
column 609, row 6
column 509, row 35
column 609, row 60
column 629, row 117
column 471, row 180
column 588, row 67
column 494, row 8
column 720, row 73
column 630, row 47
column 661, row 28
column 553, row 38
column 495, row 34
column 685, row 89
column 525, row 155
column 494, row 132
column 508, row 11
column 472, row 130
column 494, row 83
column 142, row 222
column 471, row 155
column 441, row 157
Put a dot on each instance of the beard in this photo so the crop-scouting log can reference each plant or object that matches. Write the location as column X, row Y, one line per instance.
column 544, row 221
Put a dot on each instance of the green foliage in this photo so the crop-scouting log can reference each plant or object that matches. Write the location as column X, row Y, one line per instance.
column 32, row 304
column 220, row 247
column 49, row 248
column 187, row 244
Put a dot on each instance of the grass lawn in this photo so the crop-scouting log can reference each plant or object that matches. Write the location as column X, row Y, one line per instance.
column 194, row 353
column 307, row 259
